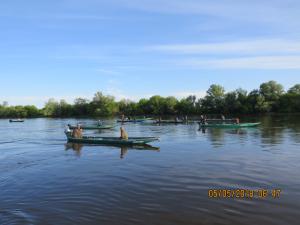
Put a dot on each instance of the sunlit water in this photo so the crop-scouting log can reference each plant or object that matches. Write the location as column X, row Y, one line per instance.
column 45, row 181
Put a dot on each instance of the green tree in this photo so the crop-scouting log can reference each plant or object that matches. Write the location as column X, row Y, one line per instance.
column 271, row 90
column 80, row 107
column 156, row 105
column 128, row 107
column 144, row 107
column 187, row 106
column 213, row 102
column 51, row 108
column 295, row 89
column 170, row 105
column 32, row 111
column 258, row 103
column 103, row 105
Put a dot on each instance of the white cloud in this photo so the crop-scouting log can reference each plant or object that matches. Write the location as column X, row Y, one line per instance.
column 254, row 10
column 239, row 47
column 264, row 62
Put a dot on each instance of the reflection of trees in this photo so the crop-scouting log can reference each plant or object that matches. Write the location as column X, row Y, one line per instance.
column 293, row 126
column 272, row 130
column 217, row 136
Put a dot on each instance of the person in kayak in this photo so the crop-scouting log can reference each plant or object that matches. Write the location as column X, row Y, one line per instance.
column 203, row 120
column 77, row 132
column 237, row 120
column 124, row 134
column 100, row 123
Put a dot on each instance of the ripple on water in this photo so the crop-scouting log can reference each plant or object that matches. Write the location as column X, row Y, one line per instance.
column 42, row 183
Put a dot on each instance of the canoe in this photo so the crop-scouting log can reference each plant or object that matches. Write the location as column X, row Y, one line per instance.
column 132, row 121
column 170, row 122
column 16, row 121
column 229, row 125
column 79, row 146
column 111, row 140
column 93, row 127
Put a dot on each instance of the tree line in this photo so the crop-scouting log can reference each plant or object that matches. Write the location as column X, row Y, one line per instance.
column 269, row 97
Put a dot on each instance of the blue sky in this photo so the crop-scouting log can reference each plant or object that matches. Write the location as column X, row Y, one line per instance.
column 138, row 48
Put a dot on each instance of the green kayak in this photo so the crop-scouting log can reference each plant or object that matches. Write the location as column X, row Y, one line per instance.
column 111, row 140
column 93, row 127
column 170, row 122
column 16, row 121
column 134, row 120
column 229, row 125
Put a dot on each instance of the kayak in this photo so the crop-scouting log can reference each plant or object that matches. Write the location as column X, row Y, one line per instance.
column 78, row 146
column 111, row 140
column 229, row 125
column 132, row 121
column 95, row 127
column 170, row 122
column 16, row 121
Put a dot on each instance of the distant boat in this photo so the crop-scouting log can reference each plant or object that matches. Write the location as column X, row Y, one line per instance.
column 228, row 125
column 134, row 120
column 170, row 122
column 16, row 121
column 93, row 127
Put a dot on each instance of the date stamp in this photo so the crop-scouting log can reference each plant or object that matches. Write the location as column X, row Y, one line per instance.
column 244, row 193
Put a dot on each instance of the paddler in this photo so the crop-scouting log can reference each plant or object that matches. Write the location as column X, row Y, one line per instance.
column 77, row 132
column 202, row 119
column 237, row 120
column 159, row 119
column 124, row 134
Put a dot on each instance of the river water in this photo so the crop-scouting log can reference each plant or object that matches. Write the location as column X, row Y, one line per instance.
column 44, row 180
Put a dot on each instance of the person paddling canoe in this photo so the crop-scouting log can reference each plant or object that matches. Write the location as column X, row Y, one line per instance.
column 77, row 132
column 124, row 134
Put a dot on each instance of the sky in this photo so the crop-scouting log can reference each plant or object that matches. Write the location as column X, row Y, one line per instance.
column 132, row 49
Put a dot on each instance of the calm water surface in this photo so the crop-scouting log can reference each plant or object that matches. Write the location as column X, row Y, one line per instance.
column 45, row 181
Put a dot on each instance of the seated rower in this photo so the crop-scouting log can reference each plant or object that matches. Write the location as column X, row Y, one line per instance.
column 77, row 132
column 124, row 135
column 100, row 123
column 223, row 117
column 237, row 121
column 202, row 120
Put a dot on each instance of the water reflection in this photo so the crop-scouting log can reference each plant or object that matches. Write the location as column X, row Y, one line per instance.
column 217, row 136
column 154, row 185
column 77, row 148
column 274, row 130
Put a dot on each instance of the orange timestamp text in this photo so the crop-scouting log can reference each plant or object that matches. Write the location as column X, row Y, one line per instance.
column 244, row 193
